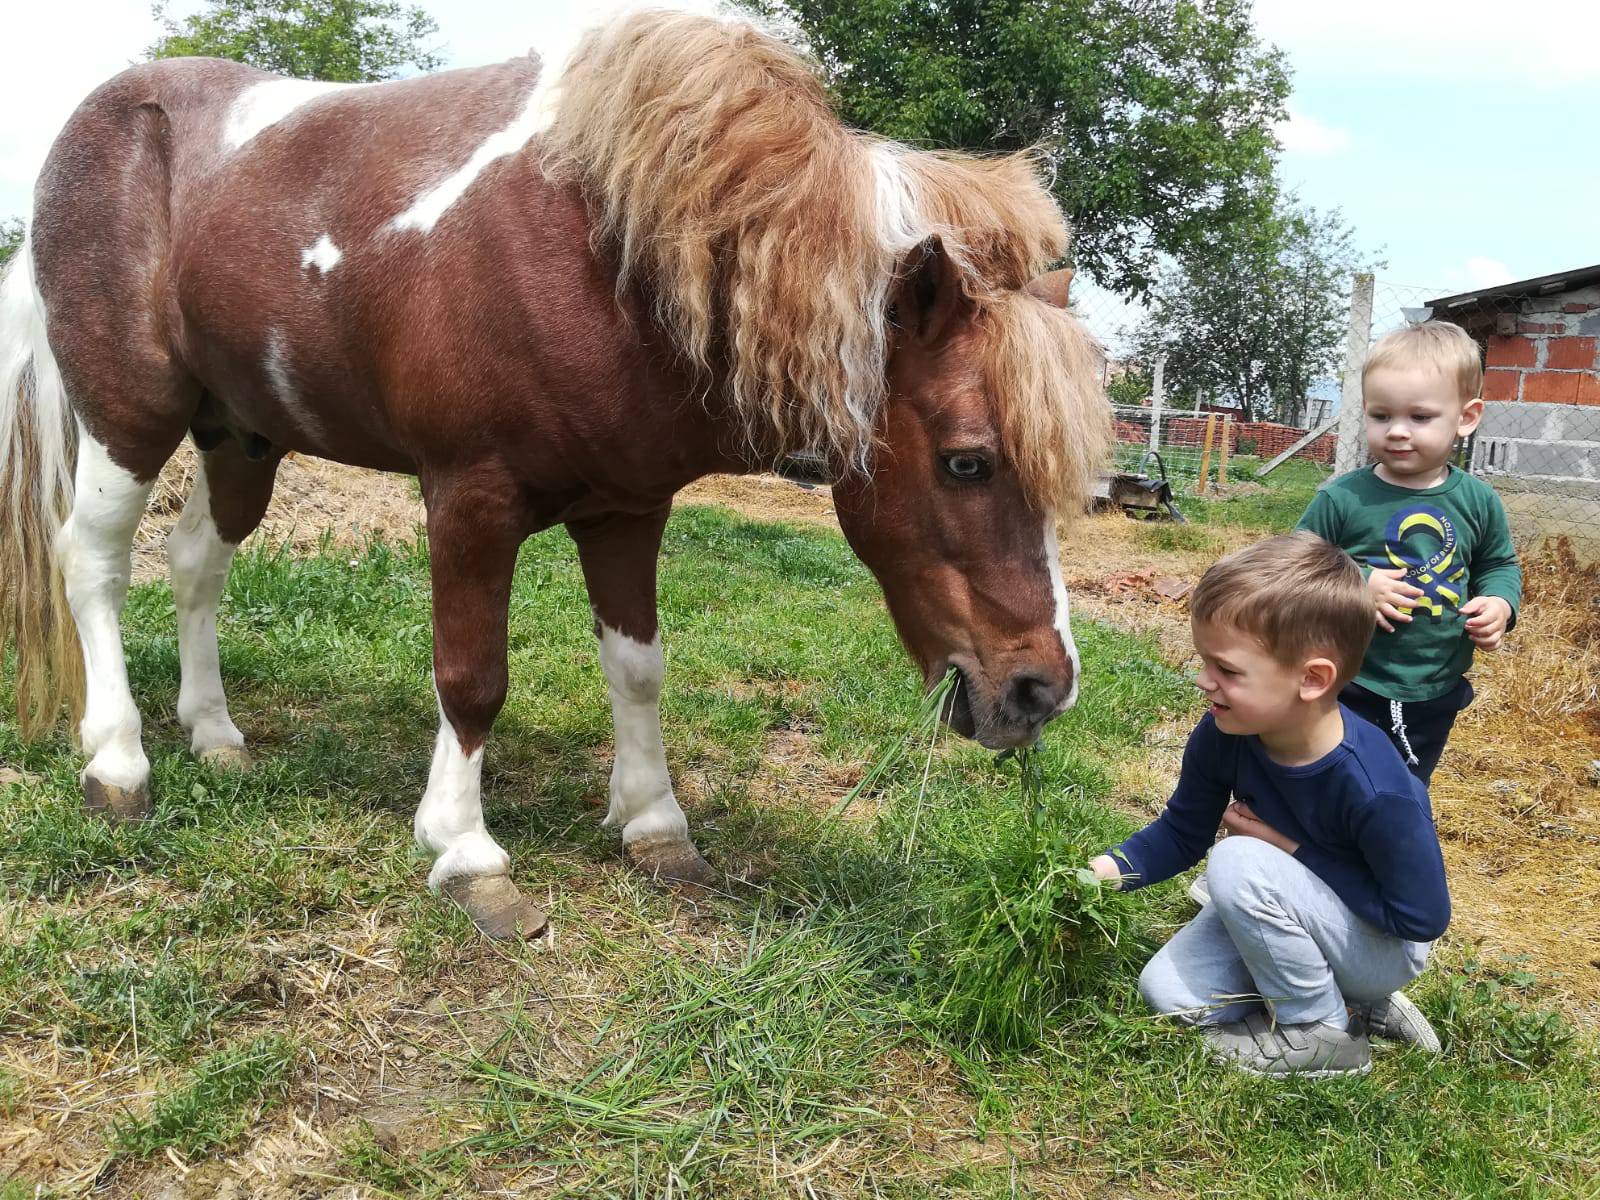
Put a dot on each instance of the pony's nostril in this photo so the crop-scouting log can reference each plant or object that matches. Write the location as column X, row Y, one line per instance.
column 1032, row 699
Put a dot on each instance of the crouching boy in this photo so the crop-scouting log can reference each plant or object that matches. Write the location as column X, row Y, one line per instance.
column 1330, row 888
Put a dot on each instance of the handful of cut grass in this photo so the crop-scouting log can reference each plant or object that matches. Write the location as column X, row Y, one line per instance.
column 1032, row 928
column 1027, row 925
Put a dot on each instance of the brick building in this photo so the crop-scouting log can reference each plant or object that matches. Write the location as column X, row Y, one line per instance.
column 1540, row 436
column 1539, row 336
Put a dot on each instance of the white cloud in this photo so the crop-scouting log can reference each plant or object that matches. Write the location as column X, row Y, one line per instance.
column 1304, row 134
column 60, row 52
column 57, row 54
column 1454, row 40
column 1487, row 272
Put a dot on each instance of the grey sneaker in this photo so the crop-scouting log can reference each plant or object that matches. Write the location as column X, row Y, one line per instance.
column 1200, row 890
column 1397, row 1019
column 1260, row 1046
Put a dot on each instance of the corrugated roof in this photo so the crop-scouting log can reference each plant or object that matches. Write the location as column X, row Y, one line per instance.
column 1544, row 285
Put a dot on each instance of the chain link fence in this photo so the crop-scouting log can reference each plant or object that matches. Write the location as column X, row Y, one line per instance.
column 1538, row 444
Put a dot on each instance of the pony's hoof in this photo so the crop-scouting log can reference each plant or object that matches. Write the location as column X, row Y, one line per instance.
column 671, row 862
column 114, row 804
column 228, row 758
column 495, row 905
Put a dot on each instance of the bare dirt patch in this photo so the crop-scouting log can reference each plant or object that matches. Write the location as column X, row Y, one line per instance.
column 313, row 499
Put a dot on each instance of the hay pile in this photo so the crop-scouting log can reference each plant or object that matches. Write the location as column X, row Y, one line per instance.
column 1516, row 795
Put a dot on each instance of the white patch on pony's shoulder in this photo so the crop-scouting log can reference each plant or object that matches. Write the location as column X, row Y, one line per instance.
column 1063, row 620
column 265, row 104
column 323, row 255
column 426, row 210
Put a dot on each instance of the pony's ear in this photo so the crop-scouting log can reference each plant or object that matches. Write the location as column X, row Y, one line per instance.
column 927, row 294
column 1051, row 287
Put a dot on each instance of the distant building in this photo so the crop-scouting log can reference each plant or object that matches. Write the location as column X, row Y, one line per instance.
column 1539, row 443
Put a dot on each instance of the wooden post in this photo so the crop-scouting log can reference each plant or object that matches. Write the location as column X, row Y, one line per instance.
column 1205, row 455
column 1222, row 460
column 1351, row 452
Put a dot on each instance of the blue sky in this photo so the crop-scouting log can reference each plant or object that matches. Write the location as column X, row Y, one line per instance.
column 1456, row 137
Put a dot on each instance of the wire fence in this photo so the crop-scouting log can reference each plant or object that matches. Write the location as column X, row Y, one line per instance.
column 1538, row 443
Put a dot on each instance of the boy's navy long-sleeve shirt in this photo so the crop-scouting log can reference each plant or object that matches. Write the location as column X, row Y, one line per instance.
column 1362, row 821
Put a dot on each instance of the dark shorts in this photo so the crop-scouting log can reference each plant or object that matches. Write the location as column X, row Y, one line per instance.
column 1427, row 723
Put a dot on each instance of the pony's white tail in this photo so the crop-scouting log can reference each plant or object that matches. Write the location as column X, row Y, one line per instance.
column 38, row 452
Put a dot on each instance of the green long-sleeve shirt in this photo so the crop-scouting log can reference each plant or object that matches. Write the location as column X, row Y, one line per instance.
column 1455, row 544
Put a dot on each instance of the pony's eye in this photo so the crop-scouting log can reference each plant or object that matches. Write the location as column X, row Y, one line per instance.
column 966, row 465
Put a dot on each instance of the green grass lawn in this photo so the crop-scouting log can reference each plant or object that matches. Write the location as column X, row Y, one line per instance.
column 261, row 959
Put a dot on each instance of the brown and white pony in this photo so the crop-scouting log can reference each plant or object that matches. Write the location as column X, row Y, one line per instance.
column 554, row 301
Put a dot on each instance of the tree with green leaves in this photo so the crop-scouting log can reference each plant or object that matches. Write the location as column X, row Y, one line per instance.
column 1257, row 315
column 1156, row 116
column 12, row 231
column 348, row 41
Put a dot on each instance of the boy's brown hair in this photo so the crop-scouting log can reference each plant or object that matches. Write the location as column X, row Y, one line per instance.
column 1298, row 595
column 1446, row 348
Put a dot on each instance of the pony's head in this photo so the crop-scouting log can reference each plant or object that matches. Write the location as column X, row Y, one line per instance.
column 858, row 303
column 990, row 429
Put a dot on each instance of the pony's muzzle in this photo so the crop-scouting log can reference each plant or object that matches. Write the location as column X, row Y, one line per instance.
column 1028, row 701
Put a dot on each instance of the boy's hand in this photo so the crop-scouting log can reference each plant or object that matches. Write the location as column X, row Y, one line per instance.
column 1240, row 819
column 1106, row 870
column 1486, row 620
column 1389, row 592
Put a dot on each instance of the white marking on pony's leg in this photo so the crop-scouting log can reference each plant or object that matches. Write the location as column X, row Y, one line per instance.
column 93, row 548
column 642, row 802
column 426, row 210
column 323, row 255
column 199, row 560
column 449, row 820
column 265, row 104
column 1063, row 621
column 276, row 367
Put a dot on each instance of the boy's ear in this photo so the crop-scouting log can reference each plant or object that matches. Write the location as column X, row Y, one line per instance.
column 1471, row 414
column 1319, row 677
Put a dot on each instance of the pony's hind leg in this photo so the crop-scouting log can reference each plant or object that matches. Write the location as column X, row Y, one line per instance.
column 94, row 549
column 230, row 496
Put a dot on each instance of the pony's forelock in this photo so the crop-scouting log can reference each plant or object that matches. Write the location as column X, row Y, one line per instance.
column 1043, row 368
column 768, row 237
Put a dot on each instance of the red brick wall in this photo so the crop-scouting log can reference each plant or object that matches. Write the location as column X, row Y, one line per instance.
column 1554, row 355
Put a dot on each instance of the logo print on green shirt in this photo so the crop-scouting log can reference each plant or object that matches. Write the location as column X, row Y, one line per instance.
column 1437, row 574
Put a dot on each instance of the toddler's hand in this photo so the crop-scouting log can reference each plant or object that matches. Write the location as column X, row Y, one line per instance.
column 1390, row 592
column 1486, row 620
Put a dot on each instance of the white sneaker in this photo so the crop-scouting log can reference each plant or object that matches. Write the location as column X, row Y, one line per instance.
column 1199, row 892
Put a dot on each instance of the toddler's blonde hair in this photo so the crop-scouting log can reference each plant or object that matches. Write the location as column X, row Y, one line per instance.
column 1444, row 347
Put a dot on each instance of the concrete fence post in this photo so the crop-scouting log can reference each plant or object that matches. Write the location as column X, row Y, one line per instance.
column 1350, row 451
column 1157, row 386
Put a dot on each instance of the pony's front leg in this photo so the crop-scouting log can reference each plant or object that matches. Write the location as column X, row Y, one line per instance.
column 474, row 529
column 619, row 565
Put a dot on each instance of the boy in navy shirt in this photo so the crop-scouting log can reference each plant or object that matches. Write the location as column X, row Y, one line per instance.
column 1330, row 889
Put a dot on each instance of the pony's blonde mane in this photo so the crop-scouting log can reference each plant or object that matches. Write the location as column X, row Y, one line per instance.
column 768, row 237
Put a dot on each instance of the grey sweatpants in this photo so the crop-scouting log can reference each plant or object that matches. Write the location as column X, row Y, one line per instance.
column 1274, row 932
